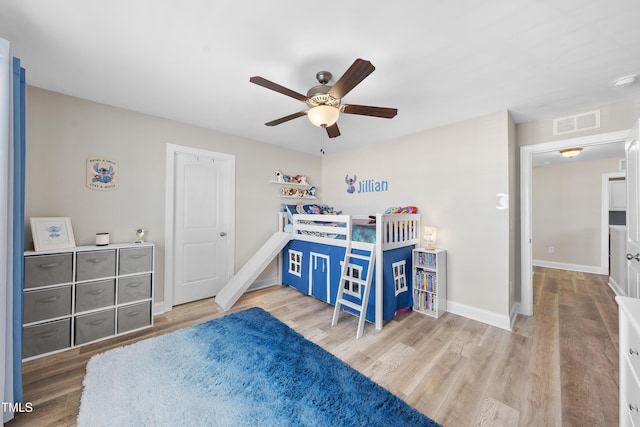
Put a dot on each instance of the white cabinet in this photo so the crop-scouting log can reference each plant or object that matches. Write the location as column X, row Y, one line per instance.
column 430, row 281
column 629, row 334
column 617, row 195
column 80, row 295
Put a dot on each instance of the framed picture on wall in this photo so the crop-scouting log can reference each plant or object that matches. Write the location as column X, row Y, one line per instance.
column 52, row 233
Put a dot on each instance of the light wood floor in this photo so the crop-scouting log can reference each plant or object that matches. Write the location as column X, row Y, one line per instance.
column 557, row 368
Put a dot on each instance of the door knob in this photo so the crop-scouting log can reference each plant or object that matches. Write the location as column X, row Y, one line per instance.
column 222, row 233
column 636, row 257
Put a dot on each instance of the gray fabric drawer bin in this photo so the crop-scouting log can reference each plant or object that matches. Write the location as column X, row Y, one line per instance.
column 135, row 260
column 43, row 270
column 134, row 316
column 47, row 304
column 91, row 327
column 95, row 295
column 95, row 264
column 134, row 288
column 47, row 337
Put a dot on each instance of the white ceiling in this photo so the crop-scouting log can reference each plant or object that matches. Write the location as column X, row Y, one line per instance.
column 592, row 152
column 437, row 62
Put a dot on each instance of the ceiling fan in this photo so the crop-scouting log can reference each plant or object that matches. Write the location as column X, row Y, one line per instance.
column 324, row 101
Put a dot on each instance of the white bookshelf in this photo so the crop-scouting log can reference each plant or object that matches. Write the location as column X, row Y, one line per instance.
column 430, row 281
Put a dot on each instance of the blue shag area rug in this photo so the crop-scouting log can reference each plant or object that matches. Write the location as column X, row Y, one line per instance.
column 244, row 369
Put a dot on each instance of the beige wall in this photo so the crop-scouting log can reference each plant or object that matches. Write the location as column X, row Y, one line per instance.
column 62, row 132
column 566, row 212
column 452, row 174
column 613, row 117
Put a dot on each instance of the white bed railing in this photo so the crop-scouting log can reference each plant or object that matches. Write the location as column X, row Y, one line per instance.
column 397, row 230
column 392, row 230
column 329, row 226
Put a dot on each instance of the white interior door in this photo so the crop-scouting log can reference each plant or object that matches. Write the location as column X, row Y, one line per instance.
column 632, row 157
column 201, row 227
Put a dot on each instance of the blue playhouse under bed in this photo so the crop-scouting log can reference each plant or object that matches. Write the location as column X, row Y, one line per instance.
column 312, row 260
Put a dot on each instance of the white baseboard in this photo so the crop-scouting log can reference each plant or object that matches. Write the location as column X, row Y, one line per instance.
column 160, row 307
column 484, row 316
column 264, row 283
column 515, row 310
column 617, row 289
column 571, row 267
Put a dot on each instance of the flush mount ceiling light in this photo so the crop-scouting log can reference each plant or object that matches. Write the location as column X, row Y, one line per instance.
column 570, row 152
column 625, row 81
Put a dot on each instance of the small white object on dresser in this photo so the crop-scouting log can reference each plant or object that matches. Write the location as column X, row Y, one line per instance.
column 84, row 294
column 629, row 335
column 430, row 281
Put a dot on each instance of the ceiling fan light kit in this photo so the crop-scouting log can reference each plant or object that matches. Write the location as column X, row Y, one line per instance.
column 324, row 101
column 323, row 115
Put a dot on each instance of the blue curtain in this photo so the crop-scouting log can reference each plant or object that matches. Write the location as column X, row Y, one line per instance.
column 19, row 153
column 12, row 191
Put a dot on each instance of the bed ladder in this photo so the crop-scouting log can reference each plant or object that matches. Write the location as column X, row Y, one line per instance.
column 348, row 275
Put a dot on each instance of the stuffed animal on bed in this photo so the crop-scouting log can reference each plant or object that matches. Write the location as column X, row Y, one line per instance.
column 328, row 210
column 402, row 210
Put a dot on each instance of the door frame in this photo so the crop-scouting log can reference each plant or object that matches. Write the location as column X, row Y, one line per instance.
column 172, row 151
column 604, row 231
column 526, row 182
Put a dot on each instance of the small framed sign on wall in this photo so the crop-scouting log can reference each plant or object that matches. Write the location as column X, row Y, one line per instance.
column 102, row 174
column 52, row 233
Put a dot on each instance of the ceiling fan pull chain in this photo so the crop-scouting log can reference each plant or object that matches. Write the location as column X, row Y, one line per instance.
column 322, row 141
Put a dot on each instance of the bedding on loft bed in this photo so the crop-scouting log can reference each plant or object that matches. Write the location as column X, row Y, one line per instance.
column 362, row 229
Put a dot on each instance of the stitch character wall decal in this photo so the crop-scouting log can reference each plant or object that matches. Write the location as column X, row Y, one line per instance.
column 350, row 181
column 102, row 174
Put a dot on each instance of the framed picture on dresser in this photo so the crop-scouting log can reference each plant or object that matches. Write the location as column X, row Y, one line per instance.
column 52, row 233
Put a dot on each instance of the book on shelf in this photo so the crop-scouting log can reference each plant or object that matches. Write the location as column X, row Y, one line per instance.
column 424, row 301
column 426, row 281
column 426, row 259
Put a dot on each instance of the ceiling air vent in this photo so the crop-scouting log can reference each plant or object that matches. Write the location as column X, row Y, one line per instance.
column 576, row 123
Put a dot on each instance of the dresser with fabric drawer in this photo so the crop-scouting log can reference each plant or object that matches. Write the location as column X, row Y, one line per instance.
column 81, row 295
column 629, row 348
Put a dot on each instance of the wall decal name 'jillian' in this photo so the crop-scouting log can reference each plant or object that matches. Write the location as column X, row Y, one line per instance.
column 365, row 186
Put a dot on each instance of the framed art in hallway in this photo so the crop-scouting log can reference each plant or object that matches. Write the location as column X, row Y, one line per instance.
column 52, row 233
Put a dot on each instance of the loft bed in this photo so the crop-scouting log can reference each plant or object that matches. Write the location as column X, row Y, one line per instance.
column 315, row 253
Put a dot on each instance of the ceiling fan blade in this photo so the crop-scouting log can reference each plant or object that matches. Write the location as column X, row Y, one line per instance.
column 358, row 71
column 286, row 118
column 260, row 81
column 333, row 130
column 366, row 110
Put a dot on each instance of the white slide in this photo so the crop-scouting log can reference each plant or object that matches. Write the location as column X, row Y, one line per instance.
column 239, row 283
